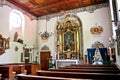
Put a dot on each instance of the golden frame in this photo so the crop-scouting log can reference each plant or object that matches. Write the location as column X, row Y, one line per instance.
column 2, row 44
column 69, row 29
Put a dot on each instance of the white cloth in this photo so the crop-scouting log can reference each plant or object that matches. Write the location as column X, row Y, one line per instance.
column 97, row 63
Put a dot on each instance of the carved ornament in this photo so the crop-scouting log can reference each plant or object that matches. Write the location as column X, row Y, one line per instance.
column 96, row 30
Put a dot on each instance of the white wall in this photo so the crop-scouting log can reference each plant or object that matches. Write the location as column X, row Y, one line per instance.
column 50, row 28
column 101, row 17
column 29, row 37
column 10, row 55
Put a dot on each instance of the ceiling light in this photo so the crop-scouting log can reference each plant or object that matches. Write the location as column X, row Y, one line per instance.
column 45, row 35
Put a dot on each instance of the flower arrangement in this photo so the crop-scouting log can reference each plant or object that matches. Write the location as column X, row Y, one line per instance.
column 96, row 57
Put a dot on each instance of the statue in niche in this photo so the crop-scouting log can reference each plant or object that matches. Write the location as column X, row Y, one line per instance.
column 15, row 36
column 7, row 43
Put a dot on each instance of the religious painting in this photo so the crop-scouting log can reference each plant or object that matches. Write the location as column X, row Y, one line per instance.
column 68, row 41
column 2, row 44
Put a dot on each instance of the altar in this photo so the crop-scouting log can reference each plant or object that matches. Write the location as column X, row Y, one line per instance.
column 66, row 62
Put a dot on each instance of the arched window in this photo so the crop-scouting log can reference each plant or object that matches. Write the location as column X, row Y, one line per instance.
column 16, row 22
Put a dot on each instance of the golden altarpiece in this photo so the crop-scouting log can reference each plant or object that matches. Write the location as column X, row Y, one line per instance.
column 69, row 38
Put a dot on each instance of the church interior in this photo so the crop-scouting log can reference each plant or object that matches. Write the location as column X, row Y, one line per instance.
column 60, row 40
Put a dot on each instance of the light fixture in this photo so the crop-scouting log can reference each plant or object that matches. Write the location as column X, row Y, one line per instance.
column 45, row 35
column 23, row 1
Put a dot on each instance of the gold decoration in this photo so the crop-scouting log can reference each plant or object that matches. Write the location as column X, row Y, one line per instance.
column 2, row 44
column 96, row 30
column 45, row 35
column 97, row 44
column 69, row 39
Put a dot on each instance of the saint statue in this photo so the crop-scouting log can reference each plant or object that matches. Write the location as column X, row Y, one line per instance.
column 15, row 36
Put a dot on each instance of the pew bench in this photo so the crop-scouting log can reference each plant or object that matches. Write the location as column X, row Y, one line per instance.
column 24, row 68
column 32, row 68
column 93, row 68
column 79, row 75
column 87, row 70
column 34, row 77
column 18, row 68
column 6, row 72
column 90, row 65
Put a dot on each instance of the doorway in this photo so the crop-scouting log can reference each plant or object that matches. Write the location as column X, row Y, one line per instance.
column 44, row 60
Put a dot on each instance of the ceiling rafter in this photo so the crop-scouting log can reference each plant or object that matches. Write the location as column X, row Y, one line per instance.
column 61, row 3
column 40, row 8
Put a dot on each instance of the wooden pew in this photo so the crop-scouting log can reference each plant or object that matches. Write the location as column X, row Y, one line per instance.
column 33, row 77
column 32, row 68
column 24, row 68
column 87, row 70
column 92, row 68
column 79, row 75
column 90, row 65
column 16, row 67
column 7, row 72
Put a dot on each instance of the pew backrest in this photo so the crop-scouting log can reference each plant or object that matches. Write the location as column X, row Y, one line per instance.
column 33, row 77
column 95, row 68
column 6, row 71
column 79, row 75
column 87, row 70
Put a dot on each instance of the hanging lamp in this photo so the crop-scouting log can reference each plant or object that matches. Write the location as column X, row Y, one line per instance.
column 45, row 35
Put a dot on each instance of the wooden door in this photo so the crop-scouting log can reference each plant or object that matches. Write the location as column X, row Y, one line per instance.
column 44, row 60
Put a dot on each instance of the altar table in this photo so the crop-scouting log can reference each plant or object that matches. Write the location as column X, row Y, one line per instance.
column 66, row 62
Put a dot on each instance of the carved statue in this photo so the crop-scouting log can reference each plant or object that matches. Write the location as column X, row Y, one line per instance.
column 15, row 36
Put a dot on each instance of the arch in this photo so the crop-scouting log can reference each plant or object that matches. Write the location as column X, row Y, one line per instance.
column 45, row 48
column 16, row 22
column 69, row 37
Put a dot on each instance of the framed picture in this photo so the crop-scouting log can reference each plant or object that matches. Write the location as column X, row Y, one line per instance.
column 69, row 41
column 2, row 44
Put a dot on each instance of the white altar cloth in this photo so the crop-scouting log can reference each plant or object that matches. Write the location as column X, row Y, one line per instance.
column 66, row 62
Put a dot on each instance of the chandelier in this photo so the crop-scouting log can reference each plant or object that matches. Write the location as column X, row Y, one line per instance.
column 45, row 35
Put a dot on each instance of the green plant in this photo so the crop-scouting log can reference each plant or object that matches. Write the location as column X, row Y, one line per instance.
column 20, row 41
column 35, row 62
column 96, row 57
